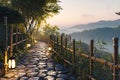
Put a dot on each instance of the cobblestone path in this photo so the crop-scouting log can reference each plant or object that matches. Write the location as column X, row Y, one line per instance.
column 37, row 66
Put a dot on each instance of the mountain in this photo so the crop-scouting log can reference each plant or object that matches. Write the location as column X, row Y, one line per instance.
column 105, row 34
column 94, row 25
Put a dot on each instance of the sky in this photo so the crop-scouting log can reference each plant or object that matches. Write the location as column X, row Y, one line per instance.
column 76, row 12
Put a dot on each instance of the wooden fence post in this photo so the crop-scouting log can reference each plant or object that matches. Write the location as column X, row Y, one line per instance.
column 11, row 42
column 54, row 47
column 74, row 52
column 61, row 52
column 115, row 59
column 54, row 42
column 6, row 46
column 16, row 38
column 57, row 45
column 91, row 61
column 51, row 41
column 65, row 48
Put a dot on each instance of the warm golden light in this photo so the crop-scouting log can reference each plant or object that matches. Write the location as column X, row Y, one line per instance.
column 11, row 63
column 49, row 48
column 35, row 41
column 28, row 45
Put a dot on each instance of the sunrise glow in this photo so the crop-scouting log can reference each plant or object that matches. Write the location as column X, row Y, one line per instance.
column 85, row 11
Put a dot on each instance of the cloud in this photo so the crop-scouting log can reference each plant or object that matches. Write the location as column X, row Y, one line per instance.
column 87, row 15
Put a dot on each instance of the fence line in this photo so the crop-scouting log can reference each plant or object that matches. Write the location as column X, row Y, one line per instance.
column 114, row 65
column 18, row 40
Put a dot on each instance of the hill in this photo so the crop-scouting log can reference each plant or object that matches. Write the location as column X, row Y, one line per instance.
column 105, row 34
column 94, row 25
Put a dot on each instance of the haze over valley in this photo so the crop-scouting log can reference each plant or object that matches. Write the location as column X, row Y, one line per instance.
column 89, row 26
column 101, row 30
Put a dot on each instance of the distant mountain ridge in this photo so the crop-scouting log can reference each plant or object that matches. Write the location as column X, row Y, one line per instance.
column 94, row 25
column 105, row 34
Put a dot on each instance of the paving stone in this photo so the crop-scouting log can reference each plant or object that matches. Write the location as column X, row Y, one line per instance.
column 45, row 58
column 49, row 78
column 16, row 75
column 13, row 79
column 41, row 66
column 21, row 70
column 24, row 78
column 42, row 63
column 37, row 59
column 31, row 66
column 41, row 78
column 21, row 67
column 32, row 74
column 36, row 66
column 50, row 64
column 34, row 78
column 51, row 73
column 12, row 74
column 42, row 53
column 21, row 74
column 42, row 75
column 33, row 62
column 43, row 71
column 62, row 72
column 3, row 79
column 49, row 60
column 64, row 76
column 9, row 75
column 35, row 55
column 32, row 69
column 26, row 63
column 60, row 79
column 50, row 68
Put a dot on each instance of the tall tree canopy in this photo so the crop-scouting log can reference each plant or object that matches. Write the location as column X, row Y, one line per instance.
column 34, row 11
column 50, row 30
column 12, row 16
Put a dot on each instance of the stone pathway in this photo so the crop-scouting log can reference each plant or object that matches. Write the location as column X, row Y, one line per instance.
column 37, row 66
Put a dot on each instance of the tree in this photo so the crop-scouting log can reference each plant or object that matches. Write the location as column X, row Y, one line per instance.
column 5, row 2
column 35, row 11
column 50, row 30
column 100, row 48
column 12, row 15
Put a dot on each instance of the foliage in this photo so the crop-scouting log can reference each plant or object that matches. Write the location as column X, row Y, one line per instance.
column 12, row 15
column 100, row 45
column 5, row 2
column 45, row 32
column 82, row 64
column 50, row 30
column 35, row 11
column 20, row 55
column 1, row 56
